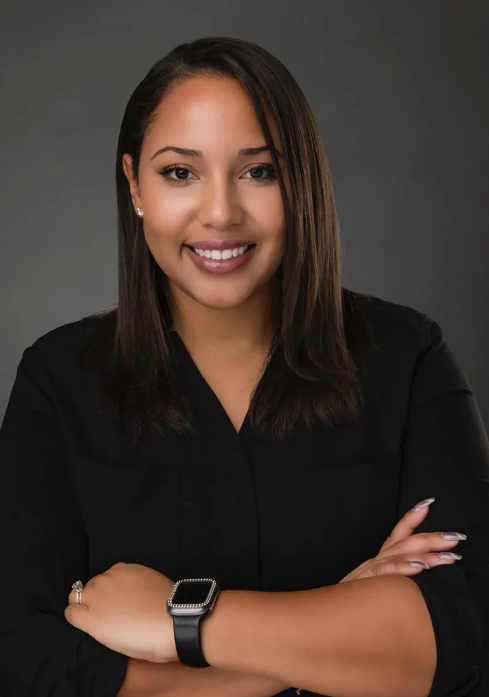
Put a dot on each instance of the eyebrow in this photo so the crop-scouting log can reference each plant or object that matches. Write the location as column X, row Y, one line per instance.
column 186, row 152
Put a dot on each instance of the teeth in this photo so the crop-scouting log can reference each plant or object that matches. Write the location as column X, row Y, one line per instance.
column 218, row 254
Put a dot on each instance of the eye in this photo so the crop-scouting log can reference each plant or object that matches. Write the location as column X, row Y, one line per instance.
column 165, row 173
column 174, row 168
column 260, row 168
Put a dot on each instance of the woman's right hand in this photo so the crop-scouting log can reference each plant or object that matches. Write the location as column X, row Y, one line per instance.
column 402, row 546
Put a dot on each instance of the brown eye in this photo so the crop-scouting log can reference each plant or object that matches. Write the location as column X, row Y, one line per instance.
column 178, row 170
column 260, row 168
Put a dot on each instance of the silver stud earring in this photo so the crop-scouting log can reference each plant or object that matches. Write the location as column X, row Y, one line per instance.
column 139, row 211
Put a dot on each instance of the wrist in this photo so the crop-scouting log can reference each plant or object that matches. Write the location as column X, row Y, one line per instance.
column 215, row 629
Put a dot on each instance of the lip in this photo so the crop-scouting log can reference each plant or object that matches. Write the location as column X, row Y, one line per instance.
column 219, row 266
column 220, row 244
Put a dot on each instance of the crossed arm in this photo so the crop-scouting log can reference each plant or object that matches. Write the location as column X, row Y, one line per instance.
column 367, row 638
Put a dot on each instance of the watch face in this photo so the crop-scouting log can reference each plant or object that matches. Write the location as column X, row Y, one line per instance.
column 192, row 592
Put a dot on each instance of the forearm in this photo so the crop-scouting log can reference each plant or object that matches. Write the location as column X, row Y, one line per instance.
column 367, row 638
column 146, row 679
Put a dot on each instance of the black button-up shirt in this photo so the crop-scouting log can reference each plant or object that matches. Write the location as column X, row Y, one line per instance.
column 256, row 514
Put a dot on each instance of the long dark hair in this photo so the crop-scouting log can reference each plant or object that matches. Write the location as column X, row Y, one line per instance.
column 311, row 375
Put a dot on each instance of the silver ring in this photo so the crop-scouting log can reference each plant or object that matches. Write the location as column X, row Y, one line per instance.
column 79, row 588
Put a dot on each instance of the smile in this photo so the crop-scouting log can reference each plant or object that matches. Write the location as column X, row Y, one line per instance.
column 220, row 260
column 221, row 254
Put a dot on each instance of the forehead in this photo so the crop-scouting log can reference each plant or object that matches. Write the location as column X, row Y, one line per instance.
column 205, row 110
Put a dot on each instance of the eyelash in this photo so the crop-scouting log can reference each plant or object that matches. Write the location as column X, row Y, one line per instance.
column 164, row 173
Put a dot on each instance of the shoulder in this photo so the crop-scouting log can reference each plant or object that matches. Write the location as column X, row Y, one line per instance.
column 64, row 347
column 395, row 327
column 413, row 360
column 52, row 369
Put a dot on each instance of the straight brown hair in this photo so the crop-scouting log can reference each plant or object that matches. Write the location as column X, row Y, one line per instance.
column 311, row 376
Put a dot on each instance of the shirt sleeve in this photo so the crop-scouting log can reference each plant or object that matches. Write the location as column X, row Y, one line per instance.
column 446, row 456
column 44, row 550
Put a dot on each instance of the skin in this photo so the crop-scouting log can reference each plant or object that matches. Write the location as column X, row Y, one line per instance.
column 144, row 631
column 221, row 199
column 229, row 314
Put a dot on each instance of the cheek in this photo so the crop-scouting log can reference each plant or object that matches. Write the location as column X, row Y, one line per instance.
column 274, row 239
column 174, row 207
column 167, row 216
column 164, row 243
column 266, row 217
column 271, row 221
column 165, row 228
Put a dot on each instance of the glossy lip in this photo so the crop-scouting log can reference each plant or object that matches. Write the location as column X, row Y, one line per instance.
column 219, row 265
column 219, row 244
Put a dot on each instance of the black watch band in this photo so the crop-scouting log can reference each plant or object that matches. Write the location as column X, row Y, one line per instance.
column 190, row 600
column 188, row 640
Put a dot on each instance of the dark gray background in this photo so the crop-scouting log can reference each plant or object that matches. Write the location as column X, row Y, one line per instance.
column 400, row 92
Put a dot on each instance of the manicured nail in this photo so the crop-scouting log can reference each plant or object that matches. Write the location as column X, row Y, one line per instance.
column 453, row 536
column 449, row 555
column 419, row 563
column 423, row 504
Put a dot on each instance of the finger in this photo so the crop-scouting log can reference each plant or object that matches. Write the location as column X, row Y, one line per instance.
column 406, row 526
column 435, row 559
column 397, row 564
column 77, row 615
column 73, row 595
column 401, row 567
column 418, row 544
column 391, row 568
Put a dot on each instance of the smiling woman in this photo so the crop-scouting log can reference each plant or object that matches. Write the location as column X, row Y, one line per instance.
column 242, row 426
column 218, row 211
column 229, row 246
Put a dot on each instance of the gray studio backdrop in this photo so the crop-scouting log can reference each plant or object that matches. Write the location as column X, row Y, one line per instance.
column 400, row 92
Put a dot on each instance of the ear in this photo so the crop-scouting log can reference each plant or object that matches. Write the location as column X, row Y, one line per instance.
column 128, row 171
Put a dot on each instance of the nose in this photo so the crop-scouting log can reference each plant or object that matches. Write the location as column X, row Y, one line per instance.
column 219, row 206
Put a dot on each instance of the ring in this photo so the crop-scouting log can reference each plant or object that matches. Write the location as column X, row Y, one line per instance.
column 78, row 587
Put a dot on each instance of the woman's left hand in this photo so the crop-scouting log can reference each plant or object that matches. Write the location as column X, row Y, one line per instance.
column 125, row 609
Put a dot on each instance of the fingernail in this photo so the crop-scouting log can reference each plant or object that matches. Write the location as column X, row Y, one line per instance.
column 453, row 536
column 423, row 504
column 419, row 563
column 449, row 555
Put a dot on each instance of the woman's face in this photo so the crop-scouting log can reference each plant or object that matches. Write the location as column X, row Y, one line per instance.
column 217, row 201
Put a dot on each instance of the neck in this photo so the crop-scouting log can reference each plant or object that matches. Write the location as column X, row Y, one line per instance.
column 236, row 330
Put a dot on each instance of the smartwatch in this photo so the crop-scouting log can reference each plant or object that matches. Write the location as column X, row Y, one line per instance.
column 190, row 600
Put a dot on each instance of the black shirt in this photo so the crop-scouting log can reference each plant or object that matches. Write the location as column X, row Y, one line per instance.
column 252, row 513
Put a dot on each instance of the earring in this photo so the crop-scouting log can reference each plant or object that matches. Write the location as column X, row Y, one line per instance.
column 139, row 211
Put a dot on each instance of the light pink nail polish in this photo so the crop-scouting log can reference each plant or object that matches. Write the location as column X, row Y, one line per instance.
column 423, row 504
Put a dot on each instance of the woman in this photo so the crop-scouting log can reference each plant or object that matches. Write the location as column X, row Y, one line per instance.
column 240, row 420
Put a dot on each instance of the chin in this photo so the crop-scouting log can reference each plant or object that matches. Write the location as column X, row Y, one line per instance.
column 218, row 302
column 219, row 293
